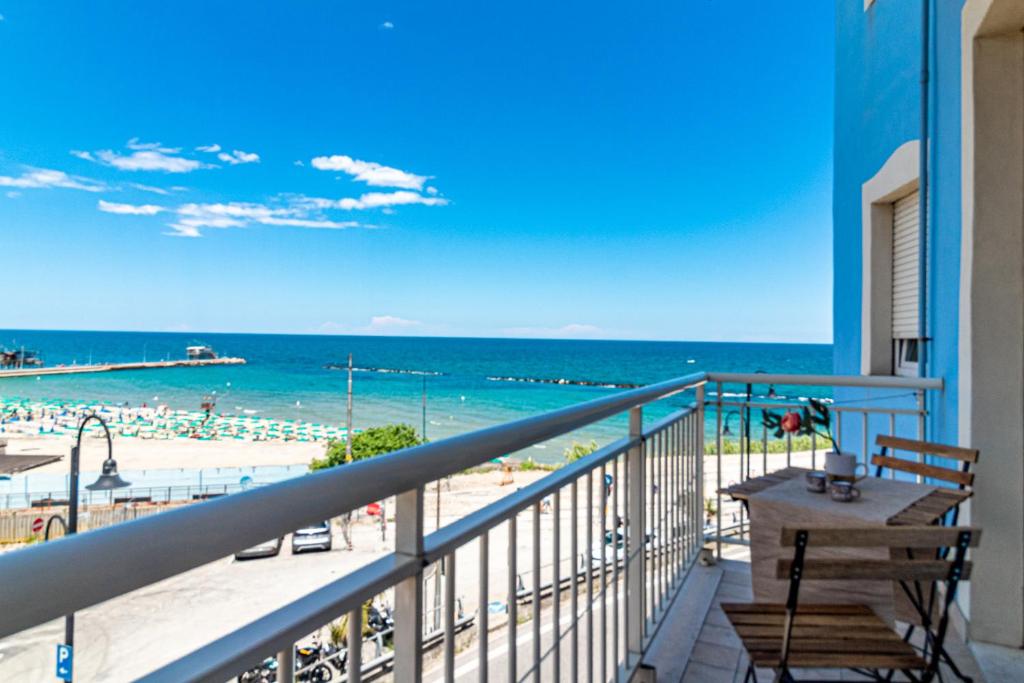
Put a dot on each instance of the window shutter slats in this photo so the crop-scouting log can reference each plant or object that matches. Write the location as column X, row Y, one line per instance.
column 905, row 268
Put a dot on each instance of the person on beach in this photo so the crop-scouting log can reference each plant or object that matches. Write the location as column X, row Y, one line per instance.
column 346, row 529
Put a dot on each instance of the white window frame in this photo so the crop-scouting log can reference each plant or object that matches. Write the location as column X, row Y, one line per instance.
column 897, row 178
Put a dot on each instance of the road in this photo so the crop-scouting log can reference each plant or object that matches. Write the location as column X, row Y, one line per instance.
column 126, row 637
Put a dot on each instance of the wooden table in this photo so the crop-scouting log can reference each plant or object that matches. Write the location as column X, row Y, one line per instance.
column 926, row 510
column 781, row 499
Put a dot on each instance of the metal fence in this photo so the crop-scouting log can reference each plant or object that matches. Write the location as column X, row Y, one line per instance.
column 665, row 455
column 640, row 537
column 882, row 405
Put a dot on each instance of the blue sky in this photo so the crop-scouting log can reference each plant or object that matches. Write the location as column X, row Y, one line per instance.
column 608, row 170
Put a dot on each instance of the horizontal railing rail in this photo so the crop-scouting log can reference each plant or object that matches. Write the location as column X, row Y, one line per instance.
column 862, row 381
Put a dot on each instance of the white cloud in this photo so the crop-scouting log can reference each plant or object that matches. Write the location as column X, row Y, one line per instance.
column 298, row 162
column 13, row 194
column 310, row 223
column 431, row 191
column 192, row 217
column 387, row 26
column 40, row 178
column 375, row 200
column 143, row 160
column 379, row 324
column 135, row 144
column 239, row 157
column 370, row 172
column 213, row 149
column 149, row 188
column 387, row 322
column 130, row 209
column 570, row 331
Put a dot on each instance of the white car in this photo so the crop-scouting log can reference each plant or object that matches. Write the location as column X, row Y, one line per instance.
column 265, row 549
column 312, row 537
column 614, row 548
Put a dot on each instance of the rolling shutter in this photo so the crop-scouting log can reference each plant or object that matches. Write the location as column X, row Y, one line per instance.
column 905, row 267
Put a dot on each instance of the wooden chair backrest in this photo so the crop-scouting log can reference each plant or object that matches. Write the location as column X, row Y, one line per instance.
column 963, row 477
column 920, row 538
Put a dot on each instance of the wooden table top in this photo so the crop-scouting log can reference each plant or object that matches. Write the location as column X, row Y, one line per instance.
column 926, row 510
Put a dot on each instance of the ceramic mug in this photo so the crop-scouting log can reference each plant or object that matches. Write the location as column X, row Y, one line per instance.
column 843, row 492
column 843, row 467
column 817, row 482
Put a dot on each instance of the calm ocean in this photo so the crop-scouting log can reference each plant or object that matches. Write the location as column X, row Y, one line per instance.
column 290, row 376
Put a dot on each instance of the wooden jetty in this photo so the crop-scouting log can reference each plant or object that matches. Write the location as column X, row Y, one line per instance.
column 110, row 367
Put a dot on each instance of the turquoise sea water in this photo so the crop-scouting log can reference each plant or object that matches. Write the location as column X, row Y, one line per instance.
column 466, row 380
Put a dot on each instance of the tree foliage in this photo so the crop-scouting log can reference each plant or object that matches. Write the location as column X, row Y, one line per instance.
column 368, row 444
column 579, row 450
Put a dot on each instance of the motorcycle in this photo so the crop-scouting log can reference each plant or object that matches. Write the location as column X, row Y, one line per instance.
column 381, row 619
column 265, row 672
column 307, row 656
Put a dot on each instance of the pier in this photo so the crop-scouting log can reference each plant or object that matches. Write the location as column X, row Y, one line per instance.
column 110, row 367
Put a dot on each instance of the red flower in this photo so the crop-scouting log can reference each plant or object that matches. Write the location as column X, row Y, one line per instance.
column 791, row 422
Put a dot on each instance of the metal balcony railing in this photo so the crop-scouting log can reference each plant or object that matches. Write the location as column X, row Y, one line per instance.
column 640, row 538
column 885, row 405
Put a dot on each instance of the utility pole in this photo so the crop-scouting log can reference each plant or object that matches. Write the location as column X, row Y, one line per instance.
column 348, row 421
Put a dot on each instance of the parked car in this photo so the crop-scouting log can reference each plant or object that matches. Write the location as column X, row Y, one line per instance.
column 313, row 537
column 265, row 549
column 614, row 548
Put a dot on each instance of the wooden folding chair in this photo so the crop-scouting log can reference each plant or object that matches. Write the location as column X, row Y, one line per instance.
column 791, row 636
column 961, row 476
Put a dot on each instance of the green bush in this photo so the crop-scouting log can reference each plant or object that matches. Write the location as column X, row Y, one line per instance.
column 368, row 444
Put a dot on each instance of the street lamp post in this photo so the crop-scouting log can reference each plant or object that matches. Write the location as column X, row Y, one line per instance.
column 725, row 428
column 107, row 481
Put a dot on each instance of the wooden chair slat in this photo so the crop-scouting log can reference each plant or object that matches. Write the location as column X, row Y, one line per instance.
column 879, row 536
column 841, row 661
column 889, row 570
column 925, row 470
column 844, row 631
column 777, row 620
column 830, row 645
column 928, row 447
column 810, row 608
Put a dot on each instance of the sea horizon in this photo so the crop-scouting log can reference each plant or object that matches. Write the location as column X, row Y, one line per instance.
column 469, row 382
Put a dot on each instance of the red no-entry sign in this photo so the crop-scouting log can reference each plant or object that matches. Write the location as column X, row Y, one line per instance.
column 37, row 525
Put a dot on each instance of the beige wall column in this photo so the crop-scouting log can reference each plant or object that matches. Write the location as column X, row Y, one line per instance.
column 991, row 384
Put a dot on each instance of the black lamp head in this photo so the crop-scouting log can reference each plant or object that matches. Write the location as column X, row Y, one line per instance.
column 110, row 479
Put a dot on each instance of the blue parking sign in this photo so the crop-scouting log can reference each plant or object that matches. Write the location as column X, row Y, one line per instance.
column 65, row 656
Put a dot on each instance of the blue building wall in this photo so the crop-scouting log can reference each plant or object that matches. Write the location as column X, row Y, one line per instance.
column 877, row 108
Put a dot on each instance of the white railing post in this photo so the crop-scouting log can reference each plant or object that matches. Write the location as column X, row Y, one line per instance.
column 718, row 469
column 354, row 643
column 286, row 665
column 699, row 434
column 635, row 530
column 409, row 592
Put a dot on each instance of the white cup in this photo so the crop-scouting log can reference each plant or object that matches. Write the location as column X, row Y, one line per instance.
column 843, row 466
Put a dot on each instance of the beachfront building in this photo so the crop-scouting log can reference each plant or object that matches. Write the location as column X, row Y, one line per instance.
column 929, row 248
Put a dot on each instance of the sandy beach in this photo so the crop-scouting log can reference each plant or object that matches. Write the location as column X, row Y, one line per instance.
column 138, row 454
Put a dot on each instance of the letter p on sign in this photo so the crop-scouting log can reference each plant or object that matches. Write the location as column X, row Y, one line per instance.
column 64, row 659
